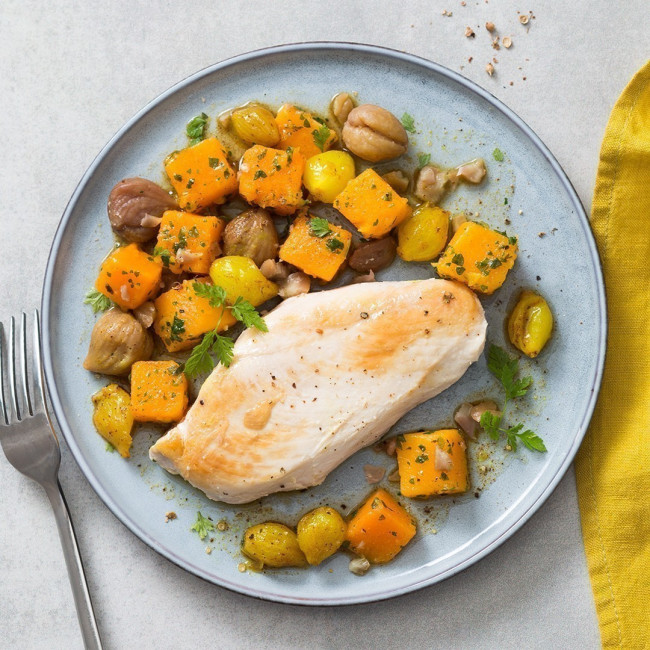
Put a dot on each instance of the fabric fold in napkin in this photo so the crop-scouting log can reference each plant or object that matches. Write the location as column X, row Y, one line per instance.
column 613, row 464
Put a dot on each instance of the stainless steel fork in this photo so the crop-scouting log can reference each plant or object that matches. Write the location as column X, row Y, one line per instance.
column 31, row 446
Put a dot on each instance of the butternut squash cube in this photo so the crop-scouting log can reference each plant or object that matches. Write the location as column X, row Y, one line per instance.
column 418, row 455
column 320, row 256
column 380, row 529
column 372, row 205
column 478, row 257
column 129, row 276
column 188, row 242
column 299, row 129
column 158, row 391
column 201, row 175
column 272, row 178
column 183, row 317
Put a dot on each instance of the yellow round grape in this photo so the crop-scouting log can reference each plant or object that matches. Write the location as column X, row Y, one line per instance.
column 531, row 323
column 320, row 534
column 423, row 236
column 255, row 124
column 326, row 174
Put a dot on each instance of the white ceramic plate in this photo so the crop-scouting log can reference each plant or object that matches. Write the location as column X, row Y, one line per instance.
column 456, row 121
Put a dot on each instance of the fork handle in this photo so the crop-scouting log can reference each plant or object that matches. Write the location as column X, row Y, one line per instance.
column 76, row 574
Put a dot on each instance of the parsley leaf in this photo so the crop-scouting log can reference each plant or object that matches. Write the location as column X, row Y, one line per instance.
column 408, row 122
column 320, row 136
column 504, row 368
column 216, row 295
column 532, row 441
column 195, row 128
column 490, row 423
column 335, row 244
column 202, row 526
column 498, row 155
column 223, row 347
column 98, row 301
column 200, row 362
column 243, row 311
column 164, row 255
column 319, row 227
column 423, row 159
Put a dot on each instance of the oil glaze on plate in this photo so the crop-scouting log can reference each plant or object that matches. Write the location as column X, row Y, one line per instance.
column 456, row 121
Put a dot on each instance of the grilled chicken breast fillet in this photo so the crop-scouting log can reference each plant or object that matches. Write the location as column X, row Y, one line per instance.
column 334, row 372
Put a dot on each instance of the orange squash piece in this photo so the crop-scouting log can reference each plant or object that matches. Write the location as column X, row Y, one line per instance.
column 188, row 242
column 272, row 178
column 299, row 129
column 201, row 175
column 478, row 257
column 372, row 205
column 320, row 257
column 158, row 391
column 183, row 317
column 129, row 277
column 381, row 528
column 416, row 459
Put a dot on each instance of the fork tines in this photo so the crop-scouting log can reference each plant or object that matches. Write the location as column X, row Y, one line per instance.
column 21, row 389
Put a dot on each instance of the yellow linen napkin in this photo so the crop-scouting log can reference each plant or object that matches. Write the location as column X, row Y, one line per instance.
column 613, row 464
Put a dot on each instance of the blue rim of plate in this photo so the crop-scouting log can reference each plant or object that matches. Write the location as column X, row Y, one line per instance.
column 429, row 66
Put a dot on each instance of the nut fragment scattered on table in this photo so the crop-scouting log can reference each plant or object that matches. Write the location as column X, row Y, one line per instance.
column 506, row 41
column 489, row 26
column 489, row 68
column 523, row 19
column 469, row 32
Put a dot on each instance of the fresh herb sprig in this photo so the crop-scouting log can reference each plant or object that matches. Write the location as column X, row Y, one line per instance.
column 202, row 526
column 423, row 160
column 505, row 369
column 98, row 301
column 195, row 128
column 213, row 343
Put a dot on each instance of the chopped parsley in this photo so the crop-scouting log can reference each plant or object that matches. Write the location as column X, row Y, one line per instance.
column 334, row 244
column 458, row 259
column 423, row 159
column 195, row 128
column 321, row 136
column 260, row 173
column 408, row 123
column 176, row 328
column 215, row 163
column 497, row 154
column 319, row 227
column 202, row 526
column 98, row 301
column 164, row 255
